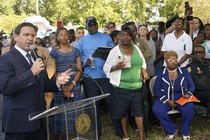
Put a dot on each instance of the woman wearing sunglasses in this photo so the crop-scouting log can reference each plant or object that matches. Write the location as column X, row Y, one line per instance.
column 171, row 83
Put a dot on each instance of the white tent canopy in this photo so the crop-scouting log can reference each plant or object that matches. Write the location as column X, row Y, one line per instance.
column 42, row 23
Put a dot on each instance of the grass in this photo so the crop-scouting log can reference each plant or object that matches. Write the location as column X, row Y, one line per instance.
column 156, row 133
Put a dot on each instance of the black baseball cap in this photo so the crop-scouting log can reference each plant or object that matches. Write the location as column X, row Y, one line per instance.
column 90, row 19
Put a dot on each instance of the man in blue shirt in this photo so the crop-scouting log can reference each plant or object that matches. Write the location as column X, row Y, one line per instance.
column 94, row 66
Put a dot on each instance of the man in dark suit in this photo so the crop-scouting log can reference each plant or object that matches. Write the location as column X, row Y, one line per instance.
column 23, row 82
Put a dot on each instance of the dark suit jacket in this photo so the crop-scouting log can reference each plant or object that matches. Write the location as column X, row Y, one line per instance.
column 23, row 93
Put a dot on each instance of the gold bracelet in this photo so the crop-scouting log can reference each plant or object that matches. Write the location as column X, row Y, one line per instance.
column 73, row 83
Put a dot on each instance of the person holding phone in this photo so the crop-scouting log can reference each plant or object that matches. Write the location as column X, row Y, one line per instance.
column 178, row 41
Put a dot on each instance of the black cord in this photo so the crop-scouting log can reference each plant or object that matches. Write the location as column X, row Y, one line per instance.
column 83, row 73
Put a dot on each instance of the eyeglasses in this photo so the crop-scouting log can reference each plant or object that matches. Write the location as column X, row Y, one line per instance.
column 92, row 24
column 172, row 60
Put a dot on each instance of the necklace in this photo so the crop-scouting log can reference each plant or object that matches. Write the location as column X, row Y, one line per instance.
column 172, row 70
column 172, row 84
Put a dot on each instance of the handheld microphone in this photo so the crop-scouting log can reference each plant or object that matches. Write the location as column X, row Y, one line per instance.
column 83, row 73
column 33, row 50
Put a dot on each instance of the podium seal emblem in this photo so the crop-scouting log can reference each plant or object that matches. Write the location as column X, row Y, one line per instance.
column 83, row 123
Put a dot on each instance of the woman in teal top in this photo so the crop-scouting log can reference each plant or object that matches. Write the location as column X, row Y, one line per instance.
column 125, row 67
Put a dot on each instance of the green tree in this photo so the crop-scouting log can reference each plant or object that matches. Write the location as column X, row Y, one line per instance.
column 119, row 11
column 200, row 9
column 8, row 23
column 169, row 8
column 5, row 7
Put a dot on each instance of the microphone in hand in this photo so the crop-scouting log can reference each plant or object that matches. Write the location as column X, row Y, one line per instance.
column 34, row 53
column 38, row 64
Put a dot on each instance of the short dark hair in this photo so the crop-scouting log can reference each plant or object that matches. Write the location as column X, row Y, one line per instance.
column 71, row 31
column 182, row 19
column 200, row 47
column 114, row 34
column 170, row 21
column 21, row 25
column 207, row 24
column 127, row 24
column 154, row 31
column 127, row 30
column 110, row 23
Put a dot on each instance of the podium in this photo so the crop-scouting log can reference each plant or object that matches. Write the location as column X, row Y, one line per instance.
column 85, row 123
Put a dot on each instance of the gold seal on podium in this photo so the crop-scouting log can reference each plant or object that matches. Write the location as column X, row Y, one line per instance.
column 83, row 124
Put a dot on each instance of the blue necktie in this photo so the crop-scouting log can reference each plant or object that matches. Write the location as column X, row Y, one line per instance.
column 31, row 63
column 29, row 59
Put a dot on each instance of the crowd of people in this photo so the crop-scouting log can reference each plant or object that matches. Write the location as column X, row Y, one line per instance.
column 179, row 60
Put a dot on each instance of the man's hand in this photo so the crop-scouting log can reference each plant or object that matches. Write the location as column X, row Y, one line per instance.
column 63, row 77
column 89, row 62
column 37, row 66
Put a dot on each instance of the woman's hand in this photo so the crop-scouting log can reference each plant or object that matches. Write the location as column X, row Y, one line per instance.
column 68, row 94
column 67, row 90
column 187, row 96
column 144, row 74
column 171, row 103
column 119, row 66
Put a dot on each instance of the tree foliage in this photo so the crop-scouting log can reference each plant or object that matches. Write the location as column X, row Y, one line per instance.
column 76, row 11
column 8, row 23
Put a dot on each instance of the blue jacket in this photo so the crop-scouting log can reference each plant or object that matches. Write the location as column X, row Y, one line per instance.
column 23, row 94
column 162, row 86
